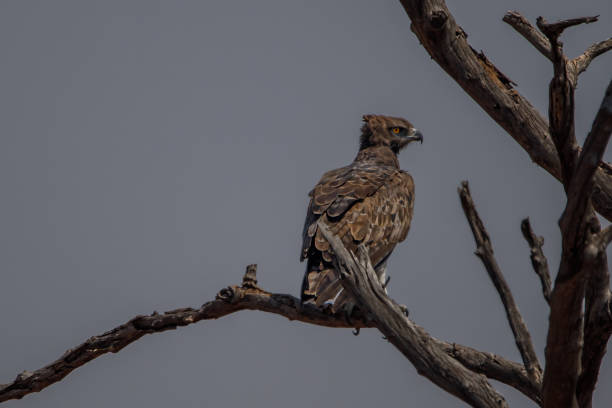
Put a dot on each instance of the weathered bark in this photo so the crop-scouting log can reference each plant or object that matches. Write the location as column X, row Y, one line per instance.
column 598, row 324
column 446, row 42
column 232, row 299
column 580, row 310
column 484, row 251
column 538, row 260
column 582, row 277
column 359, row 279
column 564, row 344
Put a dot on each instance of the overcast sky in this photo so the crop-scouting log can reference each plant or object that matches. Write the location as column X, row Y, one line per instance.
column 149, row 150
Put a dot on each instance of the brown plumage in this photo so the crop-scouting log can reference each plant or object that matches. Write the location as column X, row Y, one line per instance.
column 369, row 201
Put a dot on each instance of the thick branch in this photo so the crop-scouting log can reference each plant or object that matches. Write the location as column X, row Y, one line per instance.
column 531, row 34
column 561, row 99
column 484, row 250
column 430, row 360
column 564, row 344
column 538, row 260
column 598, row 325
column 447, row 44
column 233, row 299
column 594, row 147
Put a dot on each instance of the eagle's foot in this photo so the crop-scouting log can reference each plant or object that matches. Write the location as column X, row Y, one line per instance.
column 404, row 310
column 348, row 309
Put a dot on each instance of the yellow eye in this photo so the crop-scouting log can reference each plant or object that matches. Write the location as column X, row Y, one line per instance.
column 395, row 130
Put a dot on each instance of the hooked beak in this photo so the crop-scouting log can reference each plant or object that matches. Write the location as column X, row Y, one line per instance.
column 416, row 136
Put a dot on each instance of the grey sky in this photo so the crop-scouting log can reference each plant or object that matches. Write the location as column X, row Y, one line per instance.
column 149, row 150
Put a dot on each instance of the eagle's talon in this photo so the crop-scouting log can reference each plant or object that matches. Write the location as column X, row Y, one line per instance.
column 348, row 311
column 404, row 310
column 386, row 282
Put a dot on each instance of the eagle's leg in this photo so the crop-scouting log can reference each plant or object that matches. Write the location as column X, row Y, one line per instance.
column 348, row 308
column 381, row 272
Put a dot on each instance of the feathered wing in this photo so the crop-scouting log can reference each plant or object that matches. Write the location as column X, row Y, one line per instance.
column 361, row 203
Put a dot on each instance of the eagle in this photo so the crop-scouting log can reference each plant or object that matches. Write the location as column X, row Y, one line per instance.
column 368, row 202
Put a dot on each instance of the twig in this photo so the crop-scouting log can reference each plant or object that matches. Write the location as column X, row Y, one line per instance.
column 538, row 260
column 582, row 62
column 232, row 299
column 529, row 32
column 555, row 29
column 430, row 360
column 484, row 250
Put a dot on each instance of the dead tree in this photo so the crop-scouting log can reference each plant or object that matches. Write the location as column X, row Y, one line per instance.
column 580, row 322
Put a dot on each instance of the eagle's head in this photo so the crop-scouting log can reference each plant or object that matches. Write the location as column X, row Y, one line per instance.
column 379, row 130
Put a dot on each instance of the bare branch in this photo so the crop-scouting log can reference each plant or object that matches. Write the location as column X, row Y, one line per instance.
column 496, row 368
column 598, row 324
column 229, row 300
column 484, row 250
column 446, row 42
column 524, row 28
column 538, row 260
column 541, row 43
column 582, row 62
column 597, row 327
column 593, row 150
column 430, row 360
column 555, row 29
column 234, row 299
column 565, row 342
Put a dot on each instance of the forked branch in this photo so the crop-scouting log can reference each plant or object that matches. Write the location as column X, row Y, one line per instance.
column 446, row 42
column 577, row 65
column 582, row 62
column 573, row 346
column 359, row 279
column 529, row 32
column 598, row 319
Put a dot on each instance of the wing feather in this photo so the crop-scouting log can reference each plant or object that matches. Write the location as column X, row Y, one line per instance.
column 362, row 204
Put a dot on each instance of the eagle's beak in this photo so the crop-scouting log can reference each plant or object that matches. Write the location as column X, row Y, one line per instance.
column 416, row 136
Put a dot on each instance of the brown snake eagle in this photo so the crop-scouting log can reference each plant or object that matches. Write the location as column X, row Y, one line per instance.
column 368, row 202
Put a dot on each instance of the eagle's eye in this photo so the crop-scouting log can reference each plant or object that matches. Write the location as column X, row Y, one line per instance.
column 396, row 130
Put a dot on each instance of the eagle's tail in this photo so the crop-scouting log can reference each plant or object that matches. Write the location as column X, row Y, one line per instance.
column 321, row 285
